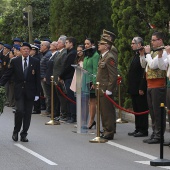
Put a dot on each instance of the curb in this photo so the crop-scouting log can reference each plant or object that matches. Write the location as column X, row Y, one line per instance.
column 131, row 118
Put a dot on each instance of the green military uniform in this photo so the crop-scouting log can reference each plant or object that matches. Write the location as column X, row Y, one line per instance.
column 107, row 77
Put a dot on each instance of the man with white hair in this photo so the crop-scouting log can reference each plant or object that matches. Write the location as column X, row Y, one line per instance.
column 44, row 49
column 137, row 88
column 58, row 67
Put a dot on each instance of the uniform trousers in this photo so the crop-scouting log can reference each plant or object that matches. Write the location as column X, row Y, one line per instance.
column 23, row 115
column 108, row 116
column 155, row 97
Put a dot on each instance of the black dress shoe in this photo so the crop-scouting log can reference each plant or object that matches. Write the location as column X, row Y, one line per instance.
column 132, row 133
column 24, row 139
column 36, row 112
column 154, row 141
column 140, row 134
column 15, row 137
column 166, row 143
column 107, row 137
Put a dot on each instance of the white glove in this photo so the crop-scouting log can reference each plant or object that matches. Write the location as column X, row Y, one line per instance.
column 108, row 92
column 36, row 98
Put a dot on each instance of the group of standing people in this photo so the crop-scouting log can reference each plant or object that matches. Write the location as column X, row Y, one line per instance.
column 31, row 74
column 150, row 64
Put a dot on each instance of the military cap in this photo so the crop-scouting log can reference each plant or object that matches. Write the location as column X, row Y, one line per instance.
column 26, row 44
column 37, row 41
column 108, row 34
column 8, row 46
column 16, row 46
column 105, row 40
column 34, row 47
column 16, row 40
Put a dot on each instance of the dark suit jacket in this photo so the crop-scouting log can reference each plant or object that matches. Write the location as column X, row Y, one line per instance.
column 59, row 64
column 49, row 71
column 68, row 71
column 4, row 64
column 136, row 77
column 30, row 86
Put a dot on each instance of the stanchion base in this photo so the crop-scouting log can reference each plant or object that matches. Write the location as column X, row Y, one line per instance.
column 121, row 121
column 52, row 122
column 98, row 140
column 160, row 162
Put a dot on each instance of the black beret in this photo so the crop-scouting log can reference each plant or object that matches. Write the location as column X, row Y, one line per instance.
column 17, row 40
column 37, row 41
column 26, row 44
column 8, row 46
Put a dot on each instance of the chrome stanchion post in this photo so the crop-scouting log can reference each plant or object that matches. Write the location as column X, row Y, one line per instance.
column 161, row 161
column 97, row 139
column 119, row 120
column 52, row 122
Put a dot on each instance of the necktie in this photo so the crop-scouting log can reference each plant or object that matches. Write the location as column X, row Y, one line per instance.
column 25, row 67
column 25, row 63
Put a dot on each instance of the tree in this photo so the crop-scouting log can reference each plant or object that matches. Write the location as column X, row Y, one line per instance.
column 13, row 20
column 80, row 18
column 136, row 18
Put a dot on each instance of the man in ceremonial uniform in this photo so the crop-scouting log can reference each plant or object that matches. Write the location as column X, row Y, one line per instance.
column 26, row 71
column 156, row 83
column 107, row 77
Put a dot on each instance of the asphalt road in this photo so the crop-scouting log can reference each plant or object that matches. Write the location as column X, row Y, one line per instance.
column 57, row 147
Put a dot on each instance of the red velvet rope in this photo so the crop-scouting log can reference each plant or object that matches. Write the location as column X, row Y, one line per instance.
column 119, row 107
column 65, row 95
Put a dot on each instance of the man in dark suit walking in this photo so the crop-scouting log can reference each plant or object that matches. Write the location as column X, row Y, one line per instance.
column 26, row 72
column 137, row 90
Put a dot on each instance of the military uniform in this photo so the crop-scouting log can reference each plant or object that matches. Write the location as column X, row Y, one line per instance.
column 107, row 77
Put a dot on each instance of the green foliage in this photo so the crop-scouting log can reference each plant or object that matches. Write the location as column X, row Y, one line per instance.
column 80, row 18
column 2, row 98
column 132, row 18
column 13, row 20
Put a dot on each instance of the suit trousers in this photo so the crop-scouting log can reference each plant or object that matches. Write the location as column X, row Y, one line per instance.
column 47, row 93
column 139, row 103
column 70, row 94
column 155, row 97
column 108, row 116
column 60, row 102
column 23, row 115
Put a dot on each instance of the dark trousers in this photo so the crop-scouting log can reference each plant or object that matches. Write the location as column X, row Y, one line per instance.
column 139, row 103
column 155, row 97
column 23, row 115
column 47, row 92
column 60, row 101
column 70, row 94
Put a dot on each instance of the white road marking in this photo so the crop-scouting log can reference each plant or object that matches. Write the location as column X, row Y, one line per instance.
column 137, row 153
column 132, row 150
column 35, row 154
column 148, row 163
